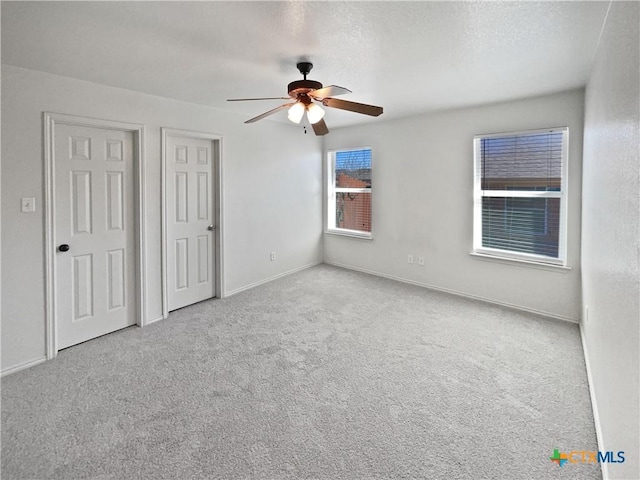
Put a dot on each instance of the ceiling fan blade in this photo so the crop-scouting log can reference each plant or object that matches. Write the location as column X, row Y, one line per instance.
column 251, row 99
column 270, row 112
column 352, row 106
column 330, row 91
column 320, row 128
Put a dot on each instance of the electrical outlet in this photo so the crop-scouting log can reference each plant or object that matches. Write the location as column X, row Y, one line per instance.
column 272, row 256
column 410, row 259
column 421, row 261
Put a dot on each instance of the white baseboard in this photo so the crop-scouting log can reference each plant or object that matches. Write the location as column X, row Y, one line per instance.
column 23, row 366
column 149, row 322
column 594, row 405
column 269, row 279
column 455, row 292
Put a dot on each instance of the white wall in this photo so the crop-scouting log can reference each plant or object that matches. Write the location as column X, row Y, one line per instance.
column 271, row 183
column 611, row 236
column 423, row 203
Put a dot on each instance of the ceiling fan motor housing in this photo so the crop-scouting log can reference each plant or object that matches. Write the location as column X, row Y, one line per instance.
column 302, row 86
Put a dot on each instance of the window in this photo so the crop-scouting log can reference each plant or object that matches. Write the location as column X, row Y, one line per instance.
column 519, row 195
column 349, row 192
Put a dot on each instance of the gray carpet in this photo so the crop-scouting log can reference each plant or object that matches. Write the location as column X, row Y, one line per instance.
column 326, row 374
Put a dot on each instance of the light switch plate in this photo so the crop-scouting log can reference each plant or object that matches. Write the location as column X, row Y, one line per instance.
column 28, row 204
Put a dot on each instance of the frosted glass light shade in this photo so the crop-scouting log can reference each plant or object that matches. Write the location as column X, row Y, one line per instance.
column 314, row 113
column 296, row 112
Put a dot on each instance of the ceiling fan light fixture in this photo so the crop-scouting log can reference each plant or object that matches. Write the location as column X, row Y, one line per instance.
column 314, row 113
column 296, row 112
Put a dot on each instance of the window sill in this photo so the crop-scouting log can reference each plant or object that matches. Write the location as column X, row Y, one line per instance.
column 521, row 262
column 350, row 233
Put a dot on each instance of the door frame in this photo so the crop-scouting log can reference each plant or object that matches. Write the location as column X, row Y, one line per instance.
column 50, row 122
column 216, row 164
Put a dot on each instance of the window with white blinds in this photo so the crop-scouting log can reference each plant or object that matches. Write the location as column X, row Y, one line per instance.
column 349, row 192
column 519, row 195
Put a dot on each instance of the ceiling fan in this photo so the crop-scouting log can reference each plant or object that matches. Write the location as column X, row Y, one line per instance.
column 305, row 93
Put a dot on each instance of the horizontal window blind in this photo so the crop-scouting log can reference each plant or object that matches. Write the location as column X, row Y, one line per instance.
column 526, row 225
column 350, row 195
column 519, row 182
column 523, row 162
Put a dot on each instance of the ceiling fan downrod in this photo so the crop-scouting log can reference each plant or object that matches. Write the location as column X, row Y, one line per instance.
column 300, row 88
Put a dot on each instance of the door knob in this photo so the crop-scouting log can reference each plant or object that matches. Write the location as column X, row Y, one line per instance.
column 211, row 227
column 63, row 248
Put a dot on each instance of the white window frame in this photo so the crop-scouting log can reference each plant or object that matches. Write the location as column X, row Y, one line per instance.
column 331, row 196
column 478, row 194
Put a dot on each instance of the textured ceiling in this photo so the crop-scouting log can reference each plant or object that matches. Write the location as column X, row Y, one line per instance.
column 409, row 57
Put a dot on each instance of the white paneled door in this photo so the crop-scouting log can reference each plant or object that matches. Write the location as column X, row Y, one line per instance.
column 190, row 218
column 94, row 232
